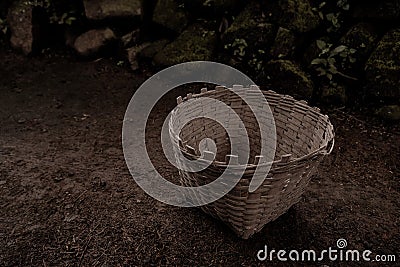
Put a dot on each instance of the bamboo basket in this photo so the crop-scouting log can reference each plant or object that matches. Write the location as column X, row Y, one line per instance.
column 303, row 137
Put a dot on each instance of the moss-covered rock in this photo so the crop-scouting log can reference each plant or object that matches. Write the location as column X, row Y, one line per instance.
column 105, row 9
column 170, row 15
column 132, row 55
column 253, row 30
column 295, row 15
column 130, row 38
column 382, row 10
column 247, row 41
column 284, row 44
column 94, row 41
column 195, row 43
column 361, row 37
column 287, row 77
column 148, row 52
column 389, row 113
column 212, row 8
column 383, row 68
column 312, row 51
column 252, row 23
column 25, row 26
column 333, row 95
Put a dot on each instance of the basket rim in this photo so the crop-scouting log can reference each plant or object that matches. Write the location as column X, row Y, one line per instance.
column 280, row 163
column 283, row 162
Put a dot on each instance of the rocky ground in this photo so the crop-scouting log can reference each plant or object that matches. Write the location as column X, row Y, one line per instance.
column 340, row 53
column 67, row 198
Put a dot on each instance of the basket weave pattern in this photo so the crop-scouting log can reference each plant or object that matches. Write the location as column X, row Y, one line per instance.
column 304, row 137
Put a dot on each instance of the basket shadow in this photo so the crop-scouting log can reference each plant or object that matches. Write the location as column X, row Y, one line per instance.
column 286, row 231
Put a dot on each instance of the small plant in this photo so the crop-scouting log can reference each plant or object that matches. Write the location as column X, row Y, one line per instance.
column 208, row 3
column 207, row 33
column 329, row 58
column 255, row 62
column 334, row 18
column 3, row 26
column 38, row 3
column 238, row 46
column 343, row 4
column 66, row 18
column 319, row 10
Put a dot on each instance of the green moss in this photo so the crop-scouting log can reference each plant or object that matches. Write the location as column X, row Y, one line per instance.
column 212, row 8
column 383, row 67
column 302, row 18
column 288, row 78
column 104, row 9
column 284, row 44
column 246, row 41
column 390, row 113
column 168, row 14
column 129, row 6
column 247, row 19
column 290, row 67
column 295, row 15
column 360, row 36
column 149, row 51
column 195, row 43
column 333, row 95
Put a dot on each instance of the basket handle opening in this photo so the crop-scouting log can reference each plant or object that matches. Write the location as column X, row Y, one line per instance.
column 330, row 146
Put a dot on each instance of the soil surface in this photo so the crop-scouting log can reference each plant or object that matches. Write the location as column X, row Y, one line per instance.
column 68, row 199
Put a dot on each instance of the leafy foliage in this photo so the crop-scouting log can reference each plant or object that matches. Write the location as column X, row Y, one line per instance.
column 238, row 47
column 335, row 18
column 3, row 26
column 331, row 57
column 66, row 17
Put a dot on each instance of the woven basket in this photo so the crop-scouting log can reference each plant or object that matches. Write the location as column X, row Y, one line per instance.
column 304, row 137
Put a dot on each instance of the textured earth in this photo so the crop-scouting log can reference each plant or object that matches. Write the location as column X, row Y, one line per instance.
column 67, row 198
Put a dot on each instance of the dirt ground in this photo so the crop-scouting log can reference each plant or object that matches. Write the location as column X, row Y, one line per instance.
column 67, row 198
